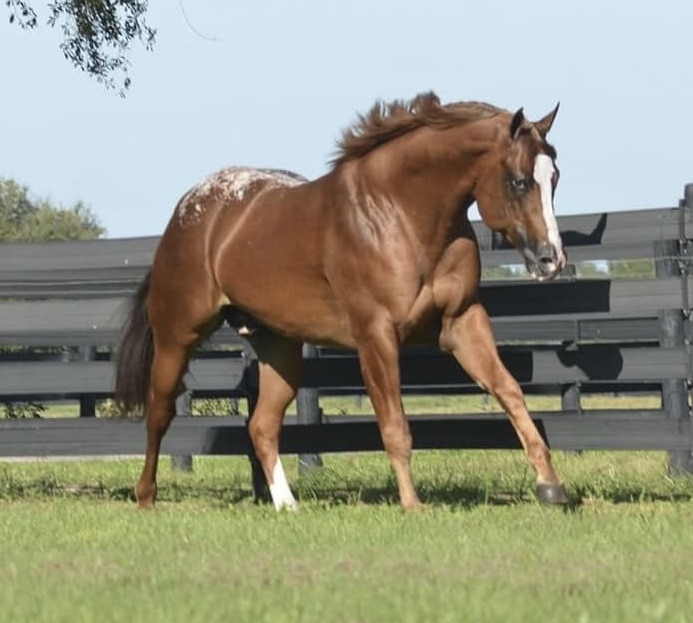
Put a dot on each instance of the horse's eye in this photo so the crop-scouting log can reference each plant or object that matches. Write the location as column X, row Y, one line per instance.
column 519, row 184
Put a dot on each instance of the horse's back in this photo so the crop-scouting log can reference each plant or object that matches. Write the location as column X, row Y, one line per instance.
column 245, row 238
column 269, row 261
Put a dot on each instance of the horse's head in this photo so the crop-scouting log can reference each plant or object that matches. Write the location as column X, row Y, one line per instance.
column 515, row 194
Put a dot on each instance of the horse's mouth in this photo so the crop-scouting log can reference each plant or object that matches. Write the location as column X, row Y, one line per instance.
column 545, row 268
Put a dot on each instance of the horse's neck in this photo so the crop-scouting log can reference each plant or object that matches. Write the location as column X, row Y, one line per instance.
column 434, row 187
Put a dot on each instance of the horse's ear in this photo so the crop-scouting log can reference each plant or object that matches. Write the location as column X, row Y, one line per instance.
column 517, row 123
column 544, row 125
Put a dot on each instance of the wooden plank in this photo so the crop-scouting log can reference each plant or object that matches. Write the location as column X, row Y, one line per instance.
column 120, row 263
column 593, row 229
column 608, row 229
column 621, row 298
column 76, row 378
column 62, row 316
column 572, row 329
column 575, row 329
column 432, row 372
column 608, row 430
column 77, row 322
column 103, row 253
column 595, row 300
column 591, row 363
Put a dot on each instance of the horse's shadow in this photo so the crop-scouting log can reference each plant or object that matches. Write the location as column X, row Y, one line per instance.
column 456, row 497
column 453, row 496
column 325, row 489
column 468, row 497
column 462, row 496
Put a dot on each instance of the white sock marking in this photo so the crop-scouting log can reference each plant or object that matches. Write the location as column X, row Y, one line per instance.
column 543, row 172
column 279, row 489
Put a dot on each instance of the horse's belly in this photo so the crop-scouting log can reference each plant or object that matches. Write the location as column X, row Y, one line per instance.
column 295, row 303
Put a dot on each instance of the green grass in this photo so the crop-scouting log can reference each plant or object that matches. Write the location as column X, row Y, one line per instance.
column 474, row 403
column 73, row 547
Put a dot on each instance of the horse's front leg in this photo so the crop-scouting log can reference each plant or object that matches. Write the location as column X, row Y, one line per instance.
column 378, row 349
column 469, row 338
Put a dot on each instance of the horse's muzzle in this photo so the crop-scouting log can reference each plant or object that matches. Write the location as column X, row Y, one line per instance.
column 545, row 261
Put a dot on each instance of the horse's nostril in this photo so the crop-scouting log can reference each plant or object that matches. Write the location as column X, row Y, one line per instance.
column 545, row 255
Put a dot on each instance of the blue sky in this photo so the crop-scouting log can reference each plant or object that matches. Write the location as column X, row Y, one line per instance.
column 281, row 79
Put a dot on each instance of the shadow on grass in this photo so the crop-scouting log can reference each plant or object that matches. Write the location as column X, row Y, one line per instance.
column 169, row 492
column 463, row 496
column 175, row 493
column 328, row 489
column 311, row 492
column 467, row 495
column 630, row 495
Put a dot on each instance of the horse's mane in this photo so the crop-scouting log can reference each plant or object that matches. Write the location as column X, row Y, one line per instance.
column 386, row 121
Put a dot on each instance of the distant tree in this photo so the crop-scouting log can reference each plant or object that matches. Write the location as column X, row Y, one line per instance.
column 97, row 34
column 22, row 219
column 27, row 220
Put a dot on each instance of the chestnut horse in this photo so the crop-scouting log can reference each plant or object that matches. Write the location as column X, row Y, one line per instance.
column 377, row 253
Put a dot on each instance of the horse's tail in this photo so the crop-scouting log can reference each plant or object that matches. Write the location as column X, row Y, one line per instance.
column 135, row 353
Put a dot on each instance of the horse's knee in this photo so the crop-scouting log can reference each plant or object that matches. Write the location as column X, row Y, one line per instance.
column 255, row 429
column 264, row 437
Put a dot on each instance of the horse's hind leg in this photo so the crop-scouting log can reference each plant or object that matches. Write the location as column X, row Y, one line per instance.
column 470, row 338
column 280, row 363
column 168, row 367
column 176, row 329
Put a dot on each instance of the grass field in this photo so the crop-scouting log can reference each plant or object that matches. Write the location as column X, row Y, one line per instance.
column 74, row 548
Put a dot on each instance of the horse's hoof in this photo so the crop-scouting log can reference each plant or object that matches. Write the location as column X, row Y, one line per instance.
column 551, row 493
column 145, row 497
column 413, row 507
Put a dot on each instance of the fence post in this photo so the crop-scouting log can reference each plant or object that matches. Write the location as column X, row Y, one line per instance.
column 672, row 335
column 570, row 401
column 570, row 397
column 183, row 462
column 685, row 215
column 87, row 404
column 308, row 412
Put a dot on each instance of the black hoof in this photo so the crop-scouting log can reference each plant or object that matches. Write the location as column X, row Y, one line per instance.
column 551, row 494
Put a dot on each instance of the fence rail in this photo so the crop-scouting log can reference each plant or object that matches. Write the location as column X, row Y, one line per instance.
column 62, row 303
column 608, row 430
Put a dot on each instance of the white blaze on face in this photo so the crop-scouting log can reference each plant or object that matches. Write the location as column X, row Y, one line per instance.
column 279, row 489
column 543, row 172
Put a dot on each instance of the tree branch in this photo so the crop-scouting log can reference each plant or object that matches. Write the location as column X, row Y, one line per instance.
column 97, row 34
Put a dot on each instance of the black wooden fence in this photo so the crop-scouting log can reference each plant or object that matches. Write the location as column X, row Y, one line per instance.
column 59, row 302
